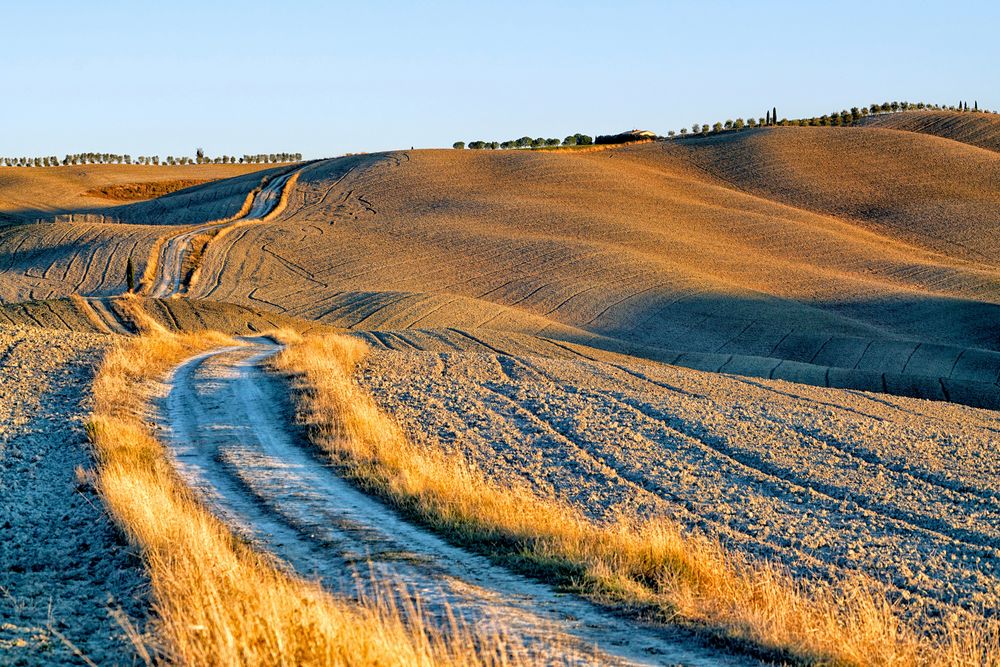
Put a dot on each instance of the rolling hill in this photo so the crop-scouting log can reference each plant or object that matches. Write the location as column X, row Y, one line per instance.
column 587, row 324
column 675, row 252
column 976, row 129
column 852, row 257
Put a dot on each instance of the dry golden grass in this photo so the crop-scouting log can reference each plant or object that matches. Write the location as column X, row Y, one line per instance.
column 651, row 565
column 286, row 190
column 149, row 272
column 140, row 191
column 591, row 148
column 217, row 601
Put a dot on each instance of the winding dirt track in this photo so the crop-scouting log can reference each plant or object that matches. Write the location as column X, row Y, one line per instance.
column 226, row 422
column 171, row 260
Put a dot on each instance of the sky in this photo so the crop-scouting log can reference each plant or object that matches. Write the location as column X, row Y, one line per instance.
column 325, row 78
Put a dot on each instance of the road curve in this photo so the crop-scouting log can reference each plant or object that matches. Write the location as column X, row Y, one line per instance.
column 226, row 424
column 169, row 266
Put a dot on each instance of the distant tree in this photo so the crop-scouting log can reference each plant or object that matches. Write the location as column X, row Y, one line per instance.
column 774, row 115
column 569, row 141
column 583, row 139
column 552, row 142
column 975, row 105
column 684, row 131
column 751, row 122
column 477, row 145
column 728, row 124
column 717, row 127
column 768, row 118
column 494, row 145
column 538, row 142
column 130, row 275
column 704, row 129
column 459, row 145
column 738, row 124
column 696, row 128
column 855, row 114
column 671, row 133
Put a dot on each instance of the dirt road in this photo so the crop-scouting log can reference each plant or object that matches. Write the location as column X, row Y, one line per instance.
column 169, row 268
column 226, row 422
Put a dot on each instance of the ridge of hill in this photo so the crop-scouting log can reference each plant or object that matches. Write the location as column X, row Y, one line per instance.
column 977, row 129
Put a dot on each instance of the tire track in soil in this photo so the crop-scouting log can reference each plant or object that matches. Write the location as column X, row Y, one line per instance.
column 225, row 422
column 170, row 275
column 777, row 476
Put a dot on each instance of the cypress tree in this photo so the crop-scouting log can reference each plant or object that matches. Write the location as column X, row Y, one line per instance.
column 774, row 116
column 768, row 118
column 130, row 275
column 975, row 105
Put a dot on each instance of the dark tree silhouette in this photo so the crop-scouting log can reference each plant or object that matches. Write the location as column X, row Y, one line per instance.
column 130, row 275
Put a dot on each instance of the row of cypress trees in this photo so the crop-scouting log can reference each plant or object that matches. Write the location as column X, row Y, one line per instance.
column 115, row 158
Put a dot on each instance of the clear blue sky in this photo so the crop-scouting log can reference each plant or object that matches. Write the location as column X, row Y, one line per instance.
column 324, row 78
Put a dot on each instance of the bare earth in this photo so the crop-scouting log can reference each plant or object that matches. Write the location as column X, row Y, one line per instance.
column 64, row 568
column 826, row 481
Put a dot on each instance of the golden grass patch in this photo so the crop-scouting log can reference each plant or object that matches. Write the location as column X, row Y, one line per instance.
column 651, row 565
column 142, row 191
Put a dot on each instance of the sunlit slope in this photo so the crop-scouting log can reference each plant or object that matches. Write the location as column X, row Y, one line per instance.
column 48, row 260
column 33, row 193
column 635, row 247
column 977, row 129
column 936, row 193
